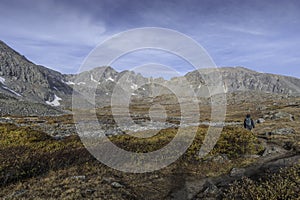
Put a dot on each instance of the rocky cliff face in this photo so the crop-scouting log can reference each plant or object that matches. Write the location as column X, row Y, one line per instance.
column 25, row 80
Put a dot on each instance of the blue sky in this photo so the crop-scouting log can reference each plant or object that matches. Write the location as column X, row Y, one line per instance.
column 260, row 35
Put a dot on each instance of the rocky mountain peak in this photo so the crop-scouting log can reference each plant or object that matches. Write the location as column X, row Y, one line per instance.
column 243, row 79
column 26, row 80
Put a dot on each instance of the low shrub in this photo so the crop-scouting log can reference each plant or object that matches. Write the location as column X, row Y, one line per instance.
column 282, row 185
column 235, row 141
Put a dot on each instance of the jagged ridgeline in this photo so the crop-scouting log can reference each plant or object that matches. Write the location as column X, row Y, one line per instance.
column 30, row 89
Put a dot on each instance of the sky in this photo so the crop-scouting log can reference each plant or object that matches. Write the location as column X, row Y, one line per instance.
column 261, row 35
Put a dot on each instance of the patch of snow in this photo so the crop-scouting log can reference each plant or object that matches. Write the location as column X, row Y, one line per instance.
column 55, row 88
column 2, row 80
column 106, row 93
column 70, row 83
column 225, row 89
column 134, row 86
column 133, row 94
column 12, row 91
column 55, row 101
column 144, row 89
column 110, row 79
column 92, row 79
column 81, row 83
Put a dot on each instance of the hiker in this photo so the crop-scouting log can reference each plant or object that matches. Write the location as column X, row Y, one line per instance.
column 249, row 123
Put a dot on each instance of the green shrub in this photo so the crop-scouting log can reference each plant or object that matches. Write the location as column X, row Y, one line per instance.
column 282, row 185
column 235, row 141
column 25, row 152
column 12, row 135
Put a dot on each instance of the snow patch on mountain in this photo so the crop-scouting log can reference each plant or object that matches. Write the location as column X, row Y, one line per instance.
column 69, row 83
column 110, row 79
column 134, row 86
column 92, row 79
column 81, row 83
column 55, row 101
column 12, row 91
column 2, row 80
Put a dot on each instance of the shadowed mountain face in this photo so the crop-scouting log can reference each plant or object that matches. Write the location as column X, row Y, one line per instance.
column 22, row 80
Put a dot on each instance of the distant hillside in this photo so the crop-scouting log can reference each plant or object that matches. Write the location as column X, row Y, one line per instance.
column 243, row 79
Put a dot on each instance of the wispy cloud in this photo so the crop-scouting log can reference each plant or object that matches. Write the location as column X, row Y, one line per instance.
column 244, row 30
column 50, row 33
column 149, row 45
column 262, row 35
column 47, row 21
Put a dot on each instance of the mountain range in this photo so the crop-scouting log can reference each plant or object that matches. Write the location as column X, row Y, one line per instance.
column 30, row 89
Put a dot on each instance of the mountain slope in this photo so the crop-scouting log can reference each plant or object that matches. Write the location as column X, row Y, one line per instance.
column 242, row 79
column 12, row 106
column 23, row 79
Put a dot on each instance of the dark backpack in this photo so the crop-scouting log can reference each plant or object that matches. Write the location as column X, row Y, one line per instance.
column 248, row 123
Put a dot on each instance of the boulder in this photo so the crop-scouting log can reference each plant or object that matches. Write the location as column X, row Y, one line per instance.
column 273, row 150
column 211, row 189
column 78, row 177
column 116, row 185
column 282, row 115
column 267, row 117
column 19, row 193
column 260, row 120
column 108, row 180
column 262, row 108
column 251, row 156
column 283, row 131
column 111, row 181
column 222, row 158
column 237, row 172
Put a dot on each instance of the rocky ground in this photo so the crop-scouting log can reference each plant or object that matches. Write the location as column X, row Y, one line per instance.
column 57, row 166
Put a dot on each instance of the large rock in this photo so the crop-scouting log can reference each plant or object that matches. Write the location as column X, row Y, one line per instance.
column 239, row 172
column 282, row 131
column 279, row 115
column 273, row 150
column 211, row 190
column 260, row 120
column 116, row 185
column 222, row 158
